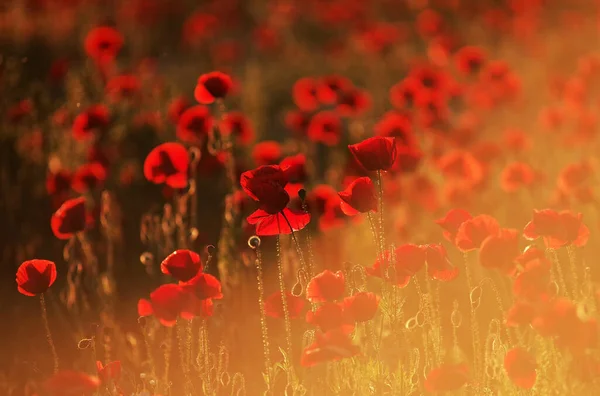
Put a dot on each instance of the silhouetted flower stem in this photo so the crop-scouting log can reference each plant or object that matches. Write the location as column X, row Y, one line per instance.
column 48, row 333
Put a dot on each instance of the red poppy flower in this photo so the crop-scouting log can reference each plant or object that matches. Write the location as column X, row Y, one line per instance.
column 199, row 27
column 71, row 383
column 58, row 183
column 405, row 93
column 557, row 228
column 520, row 314
column 408, row 159
column 177, row 107
column 194, row 307
column 182, row 264
column 559, row 319
column 295, row 168
column 330, row 87
column 298, row 122
column 353, row 102
column 520, row 366
column 266, row 184
column 473, row 232
column 376, row 153
column 406, row 260
column 103, row 44
column 195, row 125
column 304, row 93
column 447, row 377
column 500, row 251
column 362, row 306
column 166, row 304
column 282, row 223
column 112, row 371
column 532, row 284
column 359, row 197
column 515, row 176
column 203, row 286
column 238, row 126
column 325, row 127
column 331, row 346
column 274, row 305
column 267, row 152
column 35, row 277
column 470, row 60
column 88, row 177
column 69, row 219
column 212, row 86
column 123, row 87
column 329, row 316
column 530, row 253
column 438, row 265
column 459, row 165
column 326, row 286
column 91, row 121
column 396, row 125
column 168, row 163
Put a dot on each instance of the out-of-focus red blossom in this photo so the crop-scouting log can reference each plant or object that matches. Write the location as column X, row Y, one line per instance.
column 59, row 183
column 452, row 221
column 69, row 219
column 267, row 152
column 103, row 44
column 329, row 316
column 375, row 153
column 295, row 168
column 429, row 23
column 379, row 37
column 438, row 264
column 532, row 284
column 90, row 122
column 213, row 86
column 521, row 313
column 420, row 190
column 462, row 166
column 199, row 27
column 58, row 70
column 19, row 111
column 474, row 231
column 517, row 175
column 557, row 228
column 353, row 102
column 470, row 60
column 195, row 125
column 166, row 304
column 331, row 86
column 400, row 265
column 326, row 286
column 266, row 38
column 331, row 346
column 516, row 140
column 35, row 276
column 176, row 108
column 123, row 87
column 304, row 93
column 361, row 306
column 88, row 177
column 359, row 197
column 500, row 250
column 405, row 93
column 167, row 163
column 325, row 127
column 298, row 122
column 575, row 178
column 407, row 159
column 71, row 383
column 110, row 371
column 238, row 126
column 274, row 305
column 520, row 367
column 182, row 264
column 396, row 125
column 530, row 253
column 447, row 377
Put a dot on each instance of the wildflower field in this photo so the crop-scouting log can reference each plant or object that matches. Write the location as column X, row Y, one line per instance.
column 317, row 197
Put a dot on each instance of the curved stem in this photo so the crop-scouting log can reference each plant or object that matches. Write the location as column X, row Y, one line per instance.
column 48, row 333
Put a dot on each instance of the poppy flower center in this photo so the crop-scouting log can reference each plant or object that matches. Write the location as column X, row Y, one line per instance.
column 216, row 87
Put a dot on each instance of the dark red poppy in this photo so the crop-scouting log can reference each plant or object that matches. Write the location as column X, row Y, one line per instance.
column 521, row 313
column 304, row 93
column 438, row 264
column 195, row 125
column 375, row 153
column 282, row 223
column 319, row 197
column 71, row 383
column 298, row 121
column 331, row 86
column 177, row 107
column 103, row 44
column 325, row 127
column 359, row 197
column 195, row 307
column 238, row 126
column 517, row 175
column 88, row 177
column 557, row 228
column 473, row 232
column 404, row 94
column 59, row 183
column 35, row 277
column 199, row 27
column 408, row 159
column 295, row 168
column 90, row 122
column 112, row 371
column 532, row 284
column 213, row 86
column 274, row 305
column 266, row 185
column 267, row 152
column 203, row 286
column 331, row 346
column 353, row 102
column 168, row 163
column 69, row 219
column 166, row 304
column 326, row 286
column 123, row 87
column 361, row 306
column 396, row 125
column 520, row 367
column 470, row 60
column 500, row 251
column 329, row 316
column 182, row 264
column 447, row 377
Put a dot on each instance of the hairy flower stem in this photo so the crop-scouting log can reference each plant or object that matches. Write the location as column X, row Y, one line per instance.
column 298, row 247
column 263, row 316
column 167, row 355
column 206, row 354
column 182, row 356
column 380, row 206
column 48, row 333
column 474, row 324
column 286, row 312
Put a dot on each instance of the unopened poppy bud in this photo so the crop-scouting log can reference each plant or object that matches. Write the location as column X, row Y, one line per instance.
column 302, row 194
column 254, row 242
